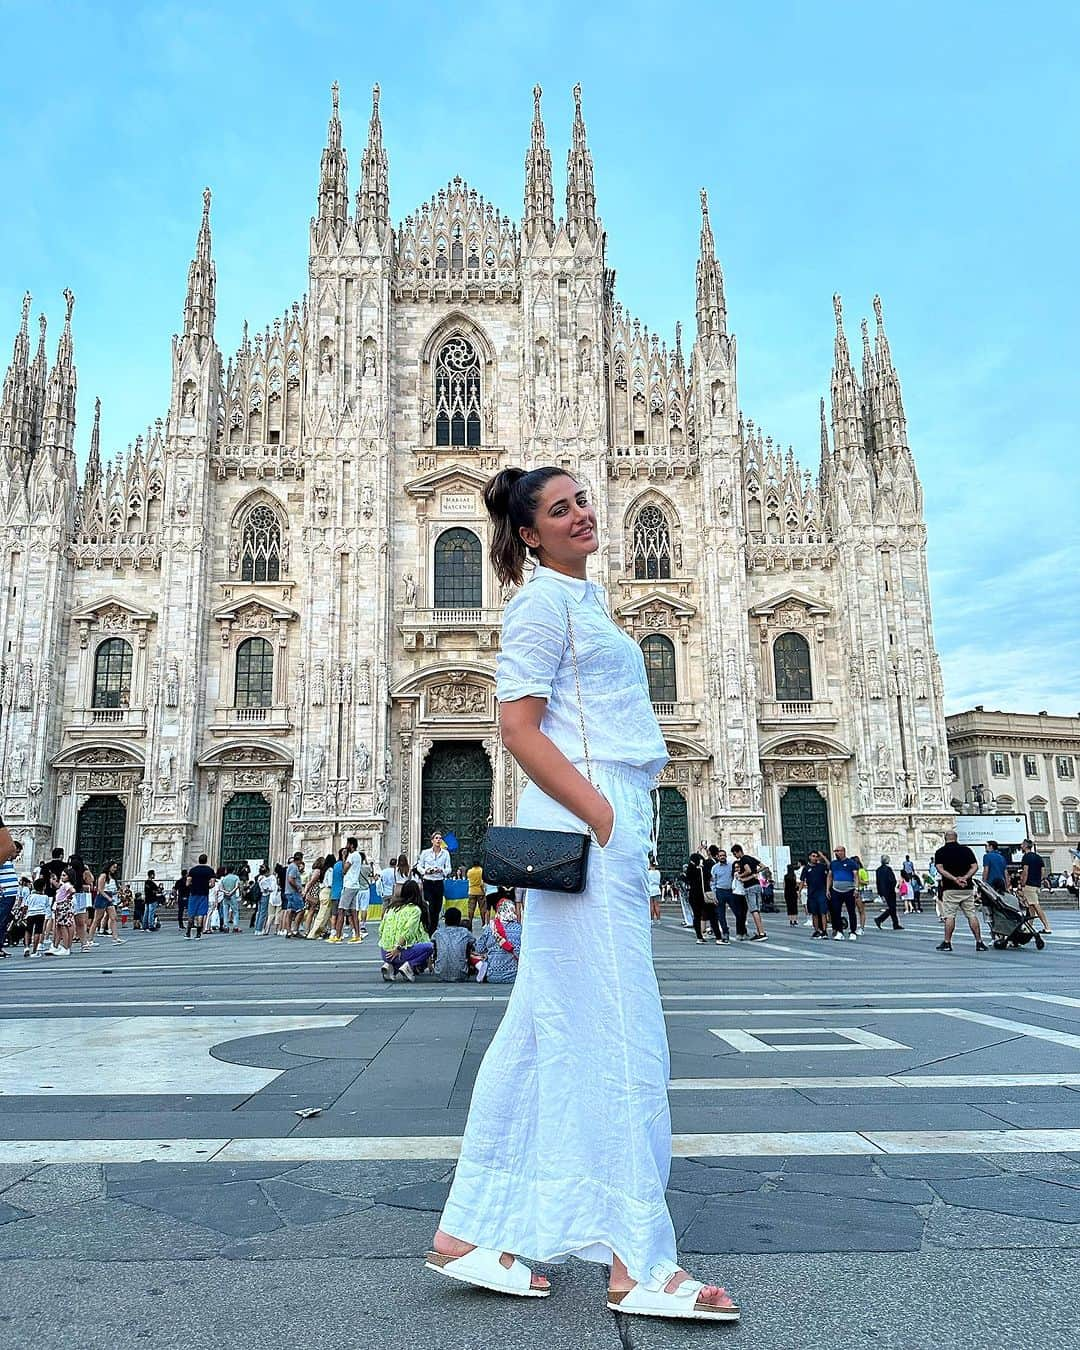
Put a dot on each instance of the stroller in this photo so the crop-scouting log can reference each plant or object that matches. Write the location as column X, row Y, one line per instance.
column 1007, row 923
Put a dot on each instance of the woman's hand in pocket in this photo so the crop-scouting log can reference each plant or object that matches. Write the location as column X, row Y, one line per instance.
column 604, row 828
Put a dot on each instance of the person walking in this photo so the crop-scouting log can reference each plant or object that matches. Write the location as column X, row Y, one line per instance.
column 105, row 903
column 9, row 883
column 151, row 900
column 956, row 865
column 654, row 890
column 791, row 895
column 433, row 865
column 230, row 900
column 702, row 900
column 815, row 880
column 841, row 882
column 292, row 907
column 573, row 1086
column 885, row 879
column 1031, row 875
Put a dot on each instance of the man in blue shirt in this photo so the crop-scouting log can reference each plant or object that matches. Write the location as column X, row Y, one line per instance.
column 1031, row 875
column 842, row 886
column 993, row 867
column 719, row 882
column 814, row 880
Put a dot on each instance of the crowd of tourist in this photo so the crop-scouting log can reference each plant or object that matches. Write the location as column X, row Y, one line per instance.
column 830, row 895
column 59, row 906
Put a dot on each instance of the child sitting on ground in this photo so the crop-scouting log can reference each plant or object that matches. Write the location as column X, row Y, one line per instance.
column 453, row 947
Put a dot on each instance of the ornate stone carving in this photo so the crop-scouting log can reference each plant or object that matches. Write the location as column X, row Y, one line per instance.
column 918, row 680
column 363, row 764
column 363, row 682
column 458, row 697
column 318, row 685
column 172, row 683
column 24, row 689
column 166, row 766
column 883, row 756
column 873, row 674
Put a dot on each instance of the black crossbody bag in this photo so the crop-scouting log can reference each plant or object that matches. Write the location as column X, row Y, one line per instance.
column 542, row 860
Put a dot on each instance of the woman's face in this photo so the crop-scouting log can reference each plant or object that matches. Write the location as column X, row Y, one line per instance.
column 564, row 529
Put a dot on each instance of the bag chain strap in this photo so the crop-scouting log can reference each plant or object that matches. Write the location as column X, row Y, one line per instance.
column 580, row 704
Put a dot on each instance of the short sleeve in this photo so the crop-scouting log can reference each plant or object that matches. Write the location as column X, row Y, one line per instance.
column 532, row 645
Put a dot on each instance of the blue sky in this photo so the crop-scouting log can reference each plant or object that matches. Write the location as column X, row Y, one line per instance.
column 927, row 152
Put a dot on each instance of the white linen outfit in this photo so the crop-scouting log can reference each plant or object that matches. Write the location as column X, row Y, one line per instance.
column 567, row 1148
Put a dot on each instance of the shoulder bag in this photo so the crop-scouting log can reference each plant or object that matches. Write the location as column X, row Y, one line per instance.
column 542, row 860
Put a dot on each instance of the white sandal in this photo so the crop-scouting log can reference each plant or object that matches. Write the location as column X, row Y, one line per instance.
column 481, row 1267
column 649, row 1298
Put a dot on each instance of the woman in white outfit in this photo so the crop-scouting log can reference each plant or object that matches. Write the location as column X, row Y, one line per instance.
column 568, row 1144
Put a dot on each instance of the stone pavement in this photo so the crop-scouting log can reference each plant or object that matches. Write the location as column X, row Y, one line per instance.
column 876, row 1145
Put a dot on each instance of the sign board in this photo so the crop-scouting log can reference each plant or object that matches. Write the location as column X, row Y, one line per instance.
column 776, row 860
column 976, row 830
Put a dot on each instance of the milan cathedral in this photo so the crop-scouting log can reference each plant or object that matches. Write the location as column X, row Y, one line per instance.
column 271, row 621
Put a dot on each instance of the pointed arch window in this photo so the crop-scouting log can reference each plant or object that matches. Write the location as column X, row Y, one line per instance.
column 791, row 667
column 459, row 578
column 112, row 674
column 651, row 549
column 260, row 545
column 659, row 654
column 254, row 674
column 457, row 394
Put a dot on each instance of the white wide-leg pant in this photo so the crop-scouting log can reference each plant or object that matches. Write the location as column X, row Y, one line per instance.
column 567, row 1148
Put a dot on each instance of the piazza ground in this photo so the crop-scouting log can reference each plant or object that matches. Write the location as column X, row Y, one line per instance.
column 876, row 1145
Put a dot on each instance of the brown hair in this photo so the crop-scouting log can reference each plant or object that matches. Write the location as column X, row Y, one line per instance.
column 511, row 498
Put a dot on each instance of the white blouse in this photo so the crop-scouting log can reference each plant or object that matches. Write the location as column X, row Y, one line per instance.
column 535, row 661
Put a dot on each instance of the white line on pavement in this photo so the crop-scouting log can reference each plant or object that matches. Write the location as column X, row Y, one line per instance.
column 794, row 1144
column 957, row 1080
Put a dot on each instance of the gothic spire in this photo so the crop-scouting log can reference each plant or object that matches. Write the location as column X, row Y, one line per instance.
column 711, row 307
column 847, row 416
column 39, row 374
column 333, row 177
column 199, row 304
column 539, row 194
column 15, row 405
column 373, row 199
column 580, row 185
column 93, row 463
column 892, row 402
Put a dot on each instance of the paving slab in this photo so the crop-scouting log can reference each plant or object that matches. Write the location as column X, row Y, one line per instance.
column 237, row 1209
column 1027, row 1197
column 127, row 1178
column 834, row 1185
column 304, row 1205
column 776, row 1222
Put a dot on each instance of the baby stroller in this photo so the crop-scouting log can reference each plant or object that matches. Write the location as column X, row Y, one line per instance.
column 1007, row 923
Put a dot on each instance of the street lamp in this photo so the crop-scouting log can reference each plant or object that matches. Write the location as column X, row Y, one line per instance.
column 977, row 791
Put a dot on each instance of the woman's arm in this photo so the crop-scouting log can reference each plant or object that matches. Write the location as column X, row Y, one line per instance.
column 546, row 766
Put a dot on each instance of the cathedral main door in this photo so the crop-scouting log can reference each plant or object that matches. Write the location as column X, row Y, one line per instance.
column 804, row 822
column 99, row 832
column 673, row 836
column 245, row 829
column 456, row 796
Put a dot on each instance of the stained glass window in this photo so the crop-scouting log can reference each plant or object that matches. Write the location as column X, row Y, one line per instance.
column 260, row 548
column 112, row 674
column 457, row 394
column 791, row 666
column 652, row 545
column 254, row 674
column 459, row 582
column 659, row 654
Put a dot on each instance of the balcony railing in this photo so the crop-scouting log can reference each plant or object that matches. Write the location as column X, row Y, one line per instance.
column 685, row 712
column 798, row 710
column 129, row 720
column 423, row 627
column 272, row 718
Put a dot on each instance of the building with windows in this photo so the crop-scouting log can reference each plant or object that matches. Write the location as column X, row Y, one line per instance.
column 1020, row 763
column 271, row 621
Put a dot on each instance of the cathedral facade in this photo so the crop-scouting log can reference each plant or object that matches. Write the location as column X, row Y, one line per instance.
column 271, row 621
